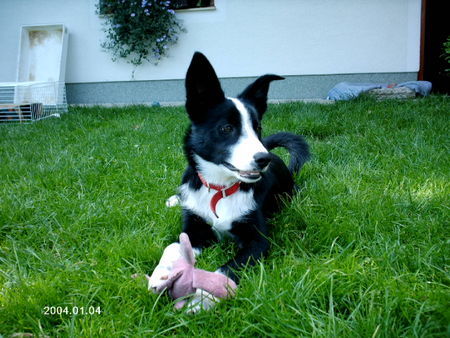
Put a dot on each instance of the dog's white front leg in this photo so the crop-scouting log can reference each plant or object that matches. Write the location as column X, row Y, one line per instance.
column 201, row 300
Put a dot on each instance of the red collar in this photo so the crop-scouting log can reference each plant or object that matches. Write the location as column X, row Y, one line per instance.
column 222, row 192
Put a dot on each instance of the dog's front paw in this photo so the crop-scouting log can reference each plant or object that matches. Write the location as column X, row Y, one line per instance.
column 201, row 301
column 173, row 201
column 164, row 268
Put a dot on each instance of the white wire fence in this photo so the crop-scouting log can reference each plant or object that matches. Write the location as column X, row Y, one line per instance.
column 25, row 102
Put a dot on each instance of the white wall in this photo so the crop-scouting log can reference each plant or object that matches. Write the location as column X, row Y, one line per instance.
column 240, row 37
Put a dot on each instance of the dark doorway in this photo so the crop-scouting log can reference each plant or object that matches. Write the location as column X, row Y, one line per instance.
column 435, row 31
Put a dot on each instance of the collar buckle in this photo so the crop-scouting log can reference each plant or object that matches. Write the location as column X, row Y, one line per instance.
column 222, row 192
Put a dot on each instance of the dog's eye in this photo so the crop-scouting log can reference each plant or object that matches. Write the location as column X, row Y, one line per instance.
column 226, row 129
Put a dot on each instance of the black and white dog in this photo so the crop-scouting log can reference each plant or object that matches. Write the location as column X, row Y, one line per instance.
column 232, row 183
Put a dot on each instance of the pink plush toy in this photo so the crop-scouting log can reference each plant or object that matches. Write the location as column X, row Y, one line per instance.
column 185, row 279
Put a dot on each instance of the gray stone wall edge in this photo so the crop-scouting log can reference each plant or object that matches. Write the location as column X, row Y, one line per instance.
column 172, row 92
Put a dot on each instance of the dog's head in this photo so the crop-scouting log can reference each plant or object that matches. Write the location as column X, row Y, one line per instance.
column 225, row 136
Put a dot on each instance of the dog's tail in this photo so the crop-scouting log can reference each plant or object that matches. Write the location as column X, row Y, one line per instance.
column 296, row 146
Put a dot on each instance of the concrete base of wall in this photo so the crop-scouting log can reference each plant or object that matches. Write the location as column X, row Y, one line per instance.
column 172, row 91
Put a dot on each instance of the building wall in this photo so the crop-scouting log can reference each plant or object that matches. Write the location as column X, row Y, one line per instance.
column 242, row 38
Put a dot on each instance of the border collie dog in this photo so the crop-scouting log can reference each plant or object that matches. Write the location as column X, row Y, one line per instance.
column 232, row 183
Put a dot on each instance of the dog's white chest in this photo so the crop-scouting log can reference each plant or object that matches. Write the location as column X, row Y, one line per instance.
column 229, row 209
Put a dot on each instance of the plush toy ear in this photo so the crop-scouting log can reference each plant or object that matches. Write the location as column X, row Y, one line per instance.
column 203, row 90
column 186, row 248
column 256, row 92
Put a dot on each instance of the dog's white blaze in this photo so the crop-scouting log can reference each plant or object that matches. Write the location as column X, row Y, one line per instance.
column 248, row 144
column 229, row 209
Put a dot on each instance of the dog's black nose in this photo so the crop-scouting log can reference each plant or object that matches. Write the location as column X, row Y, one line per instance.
column 262, row 159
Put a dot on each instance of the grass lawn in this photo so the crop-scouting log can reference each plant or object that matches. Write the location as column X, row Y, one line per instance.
column 362, row 250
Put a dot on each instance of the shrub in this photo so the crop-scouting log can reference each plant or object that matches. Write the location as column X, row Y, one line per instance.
column 139, row 30
column 447, row 53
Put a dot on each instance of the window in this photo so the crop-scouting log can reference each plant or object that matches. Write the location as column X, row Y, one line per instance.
column 173, row 4
column 186, row 4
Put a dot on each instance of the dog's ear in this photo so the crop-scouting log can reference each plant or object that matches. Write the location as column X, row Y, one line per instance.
column 256, row 93
column 203, row 90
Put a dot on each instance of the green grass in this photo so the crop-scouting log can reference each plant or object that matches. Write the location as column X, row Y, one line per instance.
column 362, row 250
